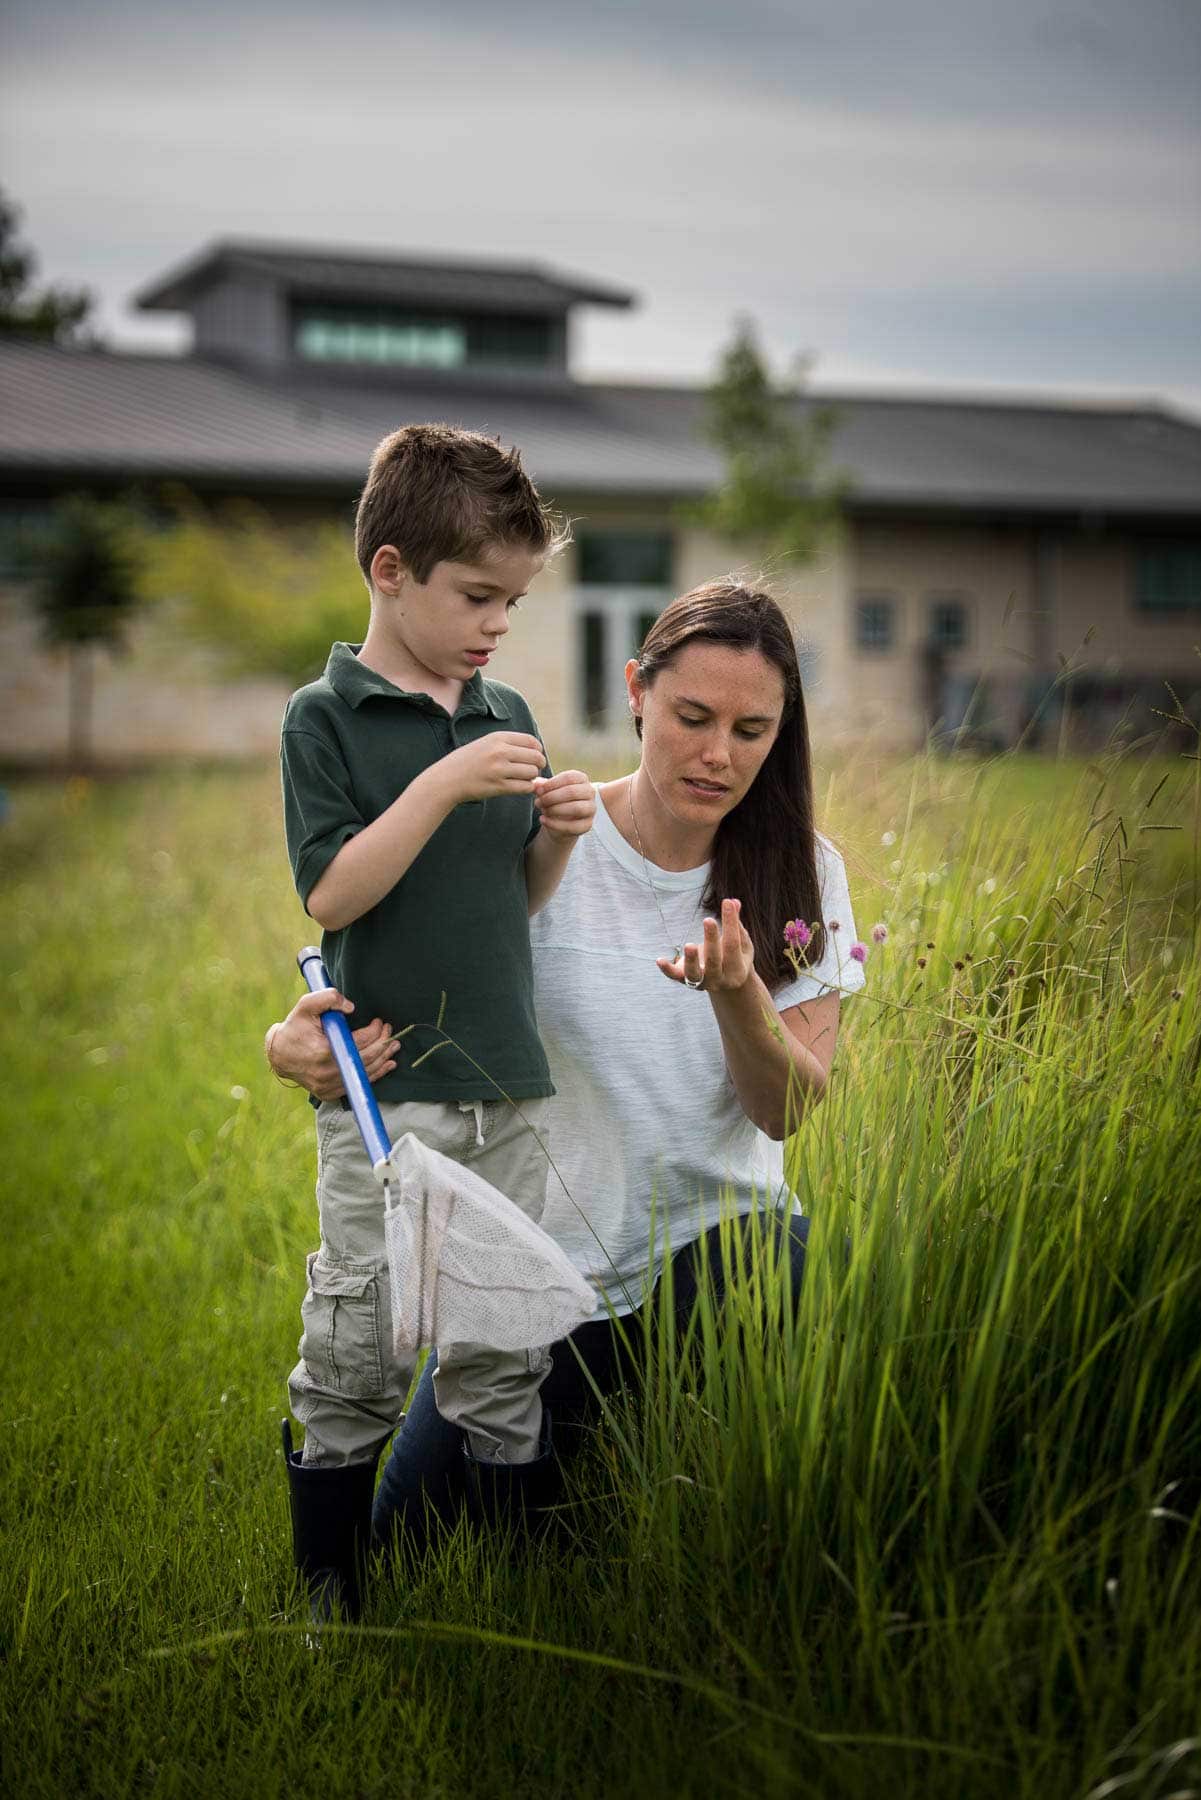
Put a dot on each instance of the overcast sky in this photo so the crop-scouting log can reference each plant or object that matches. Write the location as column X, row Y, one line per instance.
column 922, row 194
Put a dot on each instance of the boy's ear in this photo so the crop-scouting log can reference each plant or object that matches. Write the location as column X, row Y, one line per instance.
column 388, row 572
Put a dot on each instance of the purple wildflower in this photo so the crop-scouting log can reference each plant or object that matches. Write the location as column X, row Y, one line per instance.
column 834, row 925
column 858, row 953
column 797, row 934
column 880, row 933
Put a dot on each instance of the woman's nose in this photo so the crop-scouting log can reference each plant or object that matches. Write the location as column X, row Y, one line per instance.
column 716, row 753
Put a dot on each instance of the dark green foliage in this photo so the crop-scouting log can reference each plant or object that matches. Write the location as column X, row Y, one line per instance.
column 56, row 314
column 86, row 588
column 87, row 573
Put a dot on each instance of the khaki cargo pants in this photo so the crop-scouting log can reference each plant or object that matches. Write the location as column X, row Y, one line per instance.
column 349, row 1385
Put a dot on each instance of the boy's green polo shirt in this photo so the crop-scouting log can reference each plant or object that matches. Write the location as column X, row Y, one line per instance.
column 456, row 924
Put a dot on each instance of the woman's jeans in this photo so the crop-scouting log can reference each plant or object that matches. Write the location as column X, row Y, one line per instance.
column 424, row 1479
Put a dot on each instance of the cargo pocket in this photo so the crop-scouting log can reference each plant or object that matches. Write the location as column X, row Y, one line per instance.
column 332, row 1120
column 340, row 1316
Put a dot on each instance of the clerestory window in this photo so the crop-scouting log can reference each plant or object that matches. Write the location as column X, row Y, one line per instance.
column 401, row 337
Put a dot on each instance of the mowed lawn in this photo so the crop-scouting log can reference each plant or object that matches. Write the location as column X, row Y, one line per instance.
column 936, row 1536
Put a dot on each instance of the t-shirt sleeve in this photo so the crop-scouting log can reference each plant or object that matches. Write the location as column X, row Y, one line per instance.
column 837, row 971
column 320, row 814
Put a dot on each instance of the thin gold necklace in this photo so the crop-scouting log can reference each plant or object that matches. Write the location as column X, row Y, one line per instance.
column 678, row 951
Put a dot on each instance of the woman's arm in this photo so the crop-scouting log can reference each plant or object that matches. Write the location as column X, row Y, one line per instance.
column 779, row 1062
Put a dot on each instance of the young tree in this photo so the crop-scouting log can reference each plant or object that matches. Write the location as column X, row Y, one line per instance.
column 56, row 314
column 777, row 491
column 87, row 584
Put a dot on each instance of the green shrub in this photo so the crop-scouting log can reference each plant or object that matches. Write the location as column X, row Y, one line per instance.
column 271, row 600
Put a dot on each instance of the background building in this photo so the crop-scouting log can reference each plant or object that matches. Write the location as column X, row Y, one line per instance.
column 985, row 544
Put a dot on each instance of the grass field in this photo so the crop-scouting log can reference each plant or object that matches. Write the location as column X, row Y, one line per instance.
column 935, row 1538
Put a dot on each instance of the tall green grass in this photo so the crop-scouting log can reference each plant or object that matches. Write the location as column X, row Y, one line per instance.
column 934, row 1532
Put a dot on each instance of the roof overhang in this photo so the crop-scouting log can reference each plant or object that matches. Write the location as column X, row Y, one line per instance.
column 356, row 274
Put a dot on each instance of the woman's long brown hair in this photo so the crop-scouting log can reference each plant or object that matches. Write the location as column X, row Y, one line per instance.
column 765, row 850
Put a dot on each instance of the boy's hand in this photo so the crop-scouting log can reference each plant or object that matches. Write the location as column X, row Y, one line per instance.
column 504, row 762
column 298, row 1049
column 566, row 803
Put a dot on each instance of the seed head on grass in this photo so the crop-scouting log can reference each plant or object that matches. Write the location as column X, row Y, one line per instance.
column 880, row 933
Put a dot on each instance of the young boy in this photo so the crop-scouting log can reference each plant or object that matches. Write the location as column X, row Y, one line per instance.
column 422, row 834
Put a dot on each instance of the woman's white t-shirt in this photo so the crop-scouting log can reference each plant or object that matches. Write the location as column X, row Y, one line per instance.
column 646, row 1122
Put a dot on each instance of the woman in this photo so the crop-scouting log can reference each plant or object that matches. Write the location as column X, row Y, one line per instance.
column 683, row 1043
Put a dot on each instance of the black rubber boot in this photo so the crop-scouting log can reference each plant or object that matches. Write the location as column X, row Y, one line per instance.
column 515, row 1497
column 331, row 1531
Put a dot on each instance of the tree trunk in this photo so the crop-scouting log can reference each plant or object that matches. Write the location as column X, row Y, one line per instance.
column 79, row 707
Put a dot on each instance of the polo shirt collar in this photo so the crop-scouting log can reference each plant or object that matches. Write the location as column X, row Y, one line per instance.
column 354, row 682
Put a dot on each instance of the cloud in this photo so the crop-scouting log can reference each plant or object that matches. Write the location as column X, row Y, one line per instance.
column 975, row 177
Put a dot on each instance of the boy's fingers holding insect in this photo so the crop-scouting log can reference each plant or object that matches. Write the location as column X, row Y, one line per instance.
column 503, row 762
column 547, row 785
column 518, row 748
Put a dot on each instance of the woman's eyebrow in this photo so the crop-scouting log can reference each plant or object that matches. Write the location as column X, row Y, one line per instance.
column 746, row 719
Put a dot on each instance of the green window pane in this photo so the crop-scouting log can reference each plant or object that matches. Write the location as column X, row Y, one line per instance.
column 379, row 335
column 642, row 625
column 592, row 667
column 875, row 623
column 509, row 341
column 625, row 558
column 1168, row 577
column 948, row 624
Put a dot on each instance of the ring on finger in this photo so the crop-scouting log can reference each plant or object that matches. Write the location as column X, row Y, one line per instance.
column 690, row 983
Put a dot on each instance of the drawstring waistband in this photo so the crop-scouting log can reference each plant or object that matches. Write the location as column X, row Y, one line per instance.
column 476, row 1107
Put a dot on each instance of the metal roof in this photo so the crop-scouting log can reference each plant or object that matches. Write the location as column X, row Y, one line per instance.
column 79, row 415
column 366, row 275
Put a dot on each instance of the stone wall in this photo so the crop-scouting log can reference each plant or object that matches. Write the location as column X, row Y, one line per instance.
column 165, row 698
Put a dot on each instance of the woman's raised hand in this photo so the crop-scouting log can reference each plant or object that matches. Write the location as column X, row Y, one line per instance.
column 298, row 1049
column 723, row 962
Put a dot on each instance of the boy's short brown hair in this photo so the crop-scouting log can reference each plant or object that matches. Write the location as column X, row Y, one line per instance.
column 440, row 494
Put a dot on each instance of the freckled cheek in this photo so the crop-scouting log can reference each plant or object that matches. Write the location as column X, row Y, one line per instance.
column 748, row 768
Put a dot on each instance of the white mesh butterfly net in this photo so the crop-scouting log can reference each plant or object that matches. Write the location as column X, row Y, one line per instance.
column 467, row 1266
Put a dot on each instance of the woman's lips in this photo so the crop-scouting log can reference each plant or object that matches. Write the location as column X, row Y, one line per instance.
column 709, row 790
